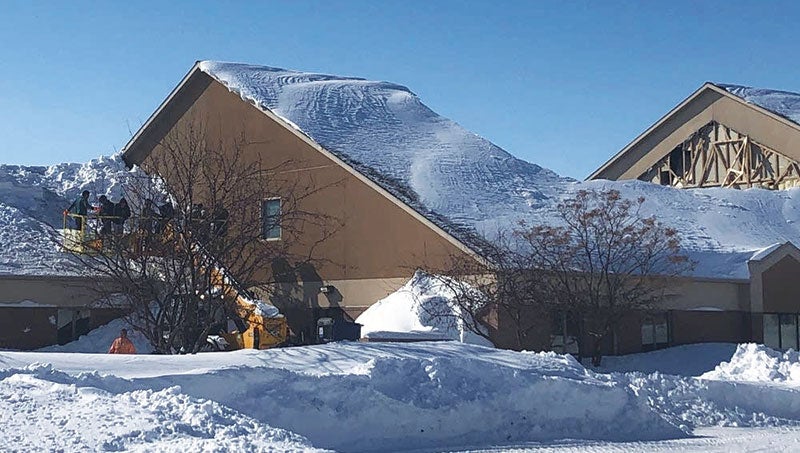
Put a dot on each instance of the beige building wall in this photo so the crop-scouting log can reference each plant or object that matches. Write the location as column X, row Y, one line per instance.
column 50, row 291
column 701, row 294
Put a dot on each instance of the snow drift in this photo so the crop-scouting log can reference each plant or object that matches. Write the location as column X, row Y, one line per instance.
column 423, row 309
column 349, row 397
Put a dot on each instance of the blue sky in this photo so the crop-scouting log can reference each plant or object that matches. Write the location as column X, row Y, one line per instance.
column 562, row 84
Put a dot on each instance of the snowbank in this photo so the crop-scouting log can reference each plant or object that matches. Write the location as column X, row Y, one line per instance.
column 758, row 363
column 44, row 409
column 344, row 396
column 432, row 396
column 422, row 309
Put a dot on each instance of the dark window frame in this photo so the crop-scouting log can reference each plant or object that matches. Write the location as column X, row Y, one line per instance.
column 265, row 217
column 780, row 329
column 651, row 320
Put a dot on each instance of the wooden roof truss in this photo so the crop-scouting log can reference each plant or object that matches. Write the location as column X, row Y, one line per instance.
column 718, row 156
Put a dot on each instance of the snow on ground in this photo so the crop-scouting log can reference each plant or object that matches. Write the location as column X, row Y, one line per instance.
column 686, row 360
column 46, row 410
column 349, row 397
column 706, row 440
column 422, row 309
column 427, row 396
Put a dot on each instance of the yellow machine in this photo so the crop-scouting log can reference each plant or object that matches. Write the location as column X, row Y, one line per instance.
column 83, row 240
column 259, row 325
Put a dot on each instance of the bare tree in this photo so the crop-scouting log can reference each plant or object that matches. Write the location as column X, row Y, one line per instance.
column 210, row 218
column 607, row 259
column 497, row 288
column 601, row 261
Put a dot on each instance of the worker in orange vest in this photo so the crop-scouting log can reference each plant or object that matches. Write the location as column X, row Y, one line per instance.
column 122, row 344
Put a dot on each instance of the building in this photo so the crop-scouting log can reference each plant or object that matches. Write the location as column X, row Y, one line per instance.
column 407, row 184
column 736, row 137
column 384, row 234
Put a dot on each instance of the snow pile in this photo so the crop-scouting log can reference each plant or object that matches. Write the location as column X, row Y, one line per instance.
column 423, row 309
column 100, row 339
column 758, row 363
column 46, row 409
column 343, row 396
column 694, row 403
column 431, row 396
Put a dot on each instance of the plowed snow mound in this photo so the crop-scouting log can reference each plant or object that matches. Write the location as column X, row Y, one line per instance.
column 759, row 363
column 45, row 410
column 356, row 396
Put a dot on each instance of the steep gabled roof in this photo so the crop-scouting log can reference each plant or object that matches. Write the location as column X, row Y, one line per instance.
column 382, row 131
column 741, row 108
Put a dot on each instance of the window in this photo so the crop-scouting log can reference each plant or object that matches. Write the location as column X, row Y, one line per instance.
column 788, row 332
column 772, row 331
column 271, row 219
column 655, row 332
column 781, row 331
column 564, row 333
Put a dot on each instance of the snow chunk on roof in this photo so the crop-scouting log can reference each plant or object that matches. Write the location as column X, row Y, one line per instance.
column 783, row 103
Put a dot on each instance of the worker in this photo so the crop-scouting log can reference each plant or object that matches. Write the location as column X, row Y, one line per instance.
column 121, row 213
column 122, row 344
column 166, row 213
column 79, row 209
column 147, row 219
column 106, row 213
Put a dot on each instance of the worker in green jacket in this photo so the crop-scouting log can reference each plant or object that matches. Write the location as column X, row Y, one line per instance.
column 80, row 207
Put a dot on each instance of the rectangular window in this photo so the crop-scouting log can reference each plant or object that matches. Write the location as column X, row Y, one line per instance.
column 655, row 332
column 271, row 219
column 772, row 331
column 564, row 333
column 788, row 331
column 781, row 331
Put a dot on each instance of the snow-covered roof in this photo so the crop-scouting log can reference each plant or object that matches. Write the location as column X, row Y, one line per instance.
column 442, row 170
column 782, row 103
column 384, row 131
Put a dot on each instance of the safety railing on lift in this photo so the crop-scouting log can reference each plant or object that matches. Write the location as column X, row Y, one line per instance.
column 83, row 233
